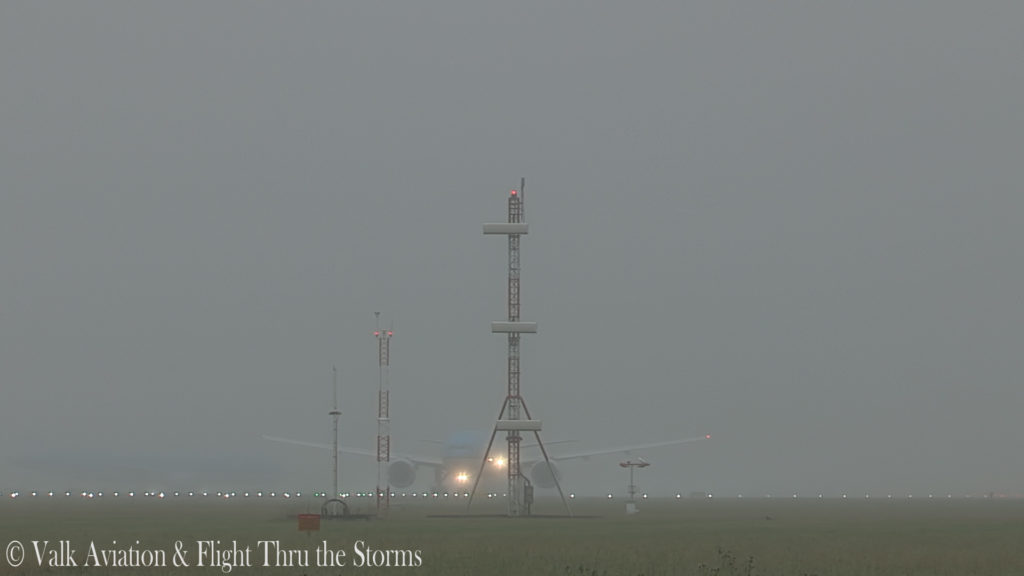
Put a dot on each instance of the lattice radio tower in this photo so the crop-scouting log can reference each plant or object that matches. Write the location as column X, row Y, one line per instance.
column 510, row 420
column 383, row 419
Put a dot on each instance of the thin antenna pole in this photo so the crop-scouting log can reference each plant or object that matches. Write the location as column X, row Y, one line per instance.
column 383, row 418
column 335, row 413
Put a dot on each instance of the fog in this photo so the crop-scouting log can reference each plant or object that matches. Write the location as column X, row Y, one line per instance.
column 792, row 225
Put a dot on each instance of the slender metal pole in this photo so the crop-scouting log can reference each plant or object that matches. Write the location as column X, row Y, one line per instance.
column 335, row 413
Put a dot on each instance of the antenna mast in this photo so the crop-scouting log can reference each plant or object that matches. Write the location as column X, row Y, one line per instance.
column 335, row 413
column 383, row 418
column 510, row 420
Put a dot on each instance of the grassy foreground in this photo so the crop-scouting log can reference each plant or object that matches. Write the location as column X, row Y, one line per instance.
column 703, row 537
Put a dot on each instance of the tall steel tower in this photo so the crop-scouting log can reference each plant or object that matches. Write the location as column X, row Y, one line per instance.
column 510, row 420
column 383, row 419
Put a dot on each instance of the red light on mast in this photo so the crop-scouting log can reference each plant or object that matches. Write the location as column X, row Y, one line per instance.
column 513, row 193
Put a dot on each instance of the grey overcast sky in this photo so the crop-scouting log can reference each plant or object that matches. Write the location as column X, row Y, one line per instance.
column 794, row 225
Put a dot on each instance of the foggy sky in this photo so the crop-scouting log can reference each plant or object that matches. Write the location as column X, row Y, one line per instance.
column 793, row 225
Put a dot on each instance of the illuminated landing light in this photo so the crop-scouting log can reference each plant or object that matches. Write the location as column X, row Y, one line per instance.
column 117, row 494
column 844, row 495
column 739, row 496
column 710, row 496
column 644, row 496
column 99, row 494
column 272, row 494
column 794, row 495
column 465, row 494
column 462, row 477
column 259, row 494
column 91, row 495
column 930, row 496
column 33, row 493
column 287, row 495
column 67, row 494
column 424, row 494
column 403, row 494
column 131, row 494
column 160, row 495
column 889, row 496
column 609, row 496
column 435, row 494
column 226, row 496
column 867, row 495
column 445, row 494
column 572, row 495
column 949, row 495
column 819, row 496
column 678, row 496
column 707, row 436
column 50, row 494
column 191, row 494
column 392, row 494
column 492, row 496
column 14, row 495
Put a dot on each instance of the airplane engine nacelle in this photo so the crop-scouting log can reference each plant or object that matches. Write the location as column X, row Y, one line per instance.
column 401, row 473
column 543, row 475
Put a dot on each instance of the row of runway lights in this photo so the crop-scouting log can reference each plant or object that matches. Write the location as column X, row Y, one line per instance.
column 288, row 495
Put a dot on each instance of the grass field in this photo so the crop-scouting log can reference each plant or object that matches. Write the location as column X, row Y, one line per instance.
column 724, row 537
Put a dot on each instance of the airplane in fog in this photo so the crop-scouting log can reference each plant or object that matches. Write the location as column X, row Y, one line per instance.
column 462, row 453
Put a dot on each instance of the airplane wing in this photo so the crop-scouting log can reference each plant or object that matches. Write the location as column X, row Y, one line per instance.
column 546, row 444
column 624, row 449
column 418, row 460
